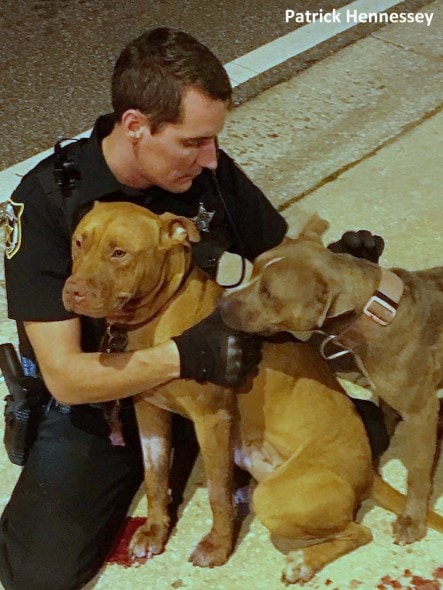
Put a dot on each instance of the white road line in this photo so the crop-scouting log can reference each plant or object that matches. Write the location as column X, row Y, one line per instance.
column 280, row 50
column 240, row 70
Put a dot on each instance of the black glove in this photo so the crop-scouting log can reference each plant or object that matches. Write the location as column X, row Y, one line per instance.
column 210, row 351
column 361, row 244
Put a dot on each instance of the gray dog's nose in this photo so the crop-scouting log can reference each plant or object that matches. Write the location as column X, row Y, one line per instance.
column 222, row 305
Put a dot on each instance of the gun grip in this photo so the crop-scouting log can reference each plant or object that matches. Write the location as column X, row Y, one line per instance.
column 11, row 368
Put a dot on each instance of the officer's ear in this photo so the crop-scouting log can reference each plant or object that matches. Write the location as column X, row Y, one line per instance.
column 177, row 230
column 134, row 124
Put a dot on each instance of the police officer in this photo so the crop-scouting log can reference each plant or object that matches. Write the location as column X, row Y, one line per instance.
column 158, row 149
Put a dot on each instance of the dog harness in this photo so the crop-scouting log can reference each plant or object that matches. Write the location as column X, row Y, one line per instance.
column 379, row 311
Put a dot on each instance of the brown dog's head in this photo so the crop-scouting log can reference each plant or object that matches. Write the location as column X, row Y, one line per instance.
column 293, row 287
column 121, row 253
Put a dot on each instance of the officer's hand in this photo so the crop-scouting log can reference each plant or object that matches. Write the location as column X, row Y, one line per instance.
column 210, row 351
column 361, row 244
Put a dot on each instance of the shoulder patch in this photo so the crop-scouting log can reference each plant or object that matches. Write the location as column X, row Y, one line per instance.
column 13, row 228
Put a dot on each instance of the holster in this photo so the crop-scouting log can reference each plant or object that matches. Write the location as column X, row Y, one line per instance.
column 24, row 408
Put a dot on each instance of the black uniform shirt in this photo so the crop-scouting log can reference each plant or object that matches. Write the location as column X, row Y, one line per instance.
column 38, row 259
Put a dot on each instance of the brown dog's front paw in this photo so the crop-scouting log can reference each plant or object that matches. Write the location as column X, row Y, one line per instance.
column 407, row 530
column 148, row 541
column 210, row 553
column 297, row 571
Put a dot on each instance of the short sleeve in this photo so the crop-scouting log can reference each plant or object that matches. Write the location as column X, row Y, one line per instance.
column 37, row 259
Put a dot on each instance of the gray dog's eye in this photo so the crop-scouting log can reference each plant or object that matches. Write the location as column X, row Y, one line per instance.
column 265, row 291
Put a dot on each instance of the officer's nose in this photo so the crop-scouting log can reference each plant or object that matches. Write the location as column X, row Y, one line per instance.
column 207, row 157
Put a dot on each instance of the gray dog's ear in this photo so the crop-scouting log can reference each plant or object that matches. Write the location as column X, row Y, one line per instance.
column 314, row 228
column 307, row 226
column 178, row 230
column 333, row 300
column 324, row 313
column 310, row 305
column 339, row 303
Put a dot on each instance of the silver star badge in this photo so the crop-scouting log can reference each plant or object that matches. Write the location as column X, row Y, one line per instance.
column 203, row 218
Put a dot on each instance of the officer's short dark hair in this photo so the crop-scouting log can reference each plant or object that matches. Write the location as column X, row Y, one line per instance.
column 153, row 69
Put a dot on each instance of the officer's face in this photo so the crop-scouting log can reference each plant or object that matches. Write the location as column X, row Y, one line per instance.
column 173, row 156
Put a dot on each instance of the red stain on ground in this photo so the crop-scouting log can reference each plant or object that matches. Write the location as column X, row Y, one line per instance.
column 119, row 553
column 409, row 581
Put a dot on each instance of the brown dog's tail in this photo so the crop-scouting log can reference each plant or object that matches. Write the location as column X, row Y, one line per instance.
column 390, row 499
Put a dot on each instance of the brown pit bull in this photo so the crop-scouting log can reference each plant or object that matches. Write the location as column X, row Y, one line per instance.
column 295, row 429
column 133, row 266
column 392, row 321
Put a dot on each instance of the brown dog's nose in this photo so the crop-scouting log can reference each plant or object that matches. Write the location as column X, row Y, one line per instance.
column 78, row 296
column 76, row 292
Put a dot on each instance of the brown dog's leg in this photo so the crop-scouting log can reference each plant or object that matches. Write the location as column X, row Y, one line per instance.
column 302, row 564
column 214, row 434
column 314, row 506
column 154, row 425
column 421, row 443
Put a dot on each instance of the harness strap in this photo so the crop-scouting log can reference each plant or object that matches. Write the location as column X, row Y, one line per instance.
column 115, row 339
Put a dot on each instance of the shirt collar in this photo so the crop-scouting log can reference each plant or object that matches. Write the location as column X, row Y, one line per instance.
column 95, row 173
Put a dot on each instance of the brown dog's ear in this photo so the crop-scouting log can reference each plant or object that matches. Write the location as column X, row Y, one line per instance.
column 178, row 229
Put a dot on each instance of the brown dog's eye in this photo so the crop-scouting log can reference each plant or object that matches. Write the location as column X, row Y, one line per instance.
column 118, row 253
column 78, row 243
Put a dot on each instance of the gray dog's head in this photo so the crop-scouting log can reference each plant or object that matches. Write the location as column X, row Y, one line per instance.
column 284, row 292
column 294, row 287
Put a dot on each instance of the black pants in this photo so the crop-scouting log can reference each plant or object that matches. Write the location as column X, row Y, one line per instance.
column 374, row 422
column 69, row 503
column 75, row 490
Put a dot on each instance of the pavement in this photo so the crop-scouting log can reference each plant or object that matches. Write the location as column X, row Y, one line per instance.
column 57, row 56
column 357, row 137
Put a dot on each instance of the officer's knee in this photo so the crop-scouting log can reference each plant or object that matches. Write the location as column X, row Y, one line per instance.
column 42, row 578
column 46, row 577
column 38, row 573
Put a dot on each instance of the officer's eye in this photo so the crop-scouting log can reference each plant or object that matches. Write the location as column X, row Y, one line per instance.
column 191, row 143
column 118, row 253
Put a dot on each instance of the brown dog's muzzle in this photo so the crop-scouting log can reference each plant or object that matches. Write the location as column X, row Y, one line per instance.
column 79, row 296
column 83, row 297
column 74, row 293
